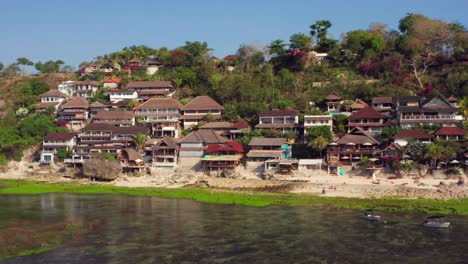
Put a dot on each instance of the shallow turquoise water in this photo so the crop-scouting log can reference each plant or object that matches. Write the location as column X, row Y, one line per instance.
column 155, row 230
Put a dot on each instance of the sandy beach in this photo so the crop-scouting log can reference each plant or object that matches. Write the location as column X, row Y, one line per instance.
column 310, row 183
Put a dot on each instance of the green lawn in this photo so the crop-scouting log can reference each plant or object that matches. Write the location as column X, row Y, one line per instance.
column 257, row 199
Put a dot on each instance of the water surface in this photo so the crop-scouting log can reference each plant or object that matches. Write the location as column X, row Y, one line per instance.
column 154, row 230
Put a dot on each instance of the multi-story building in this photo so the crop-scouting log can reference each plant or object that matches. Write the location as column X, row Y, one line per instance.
column 53, row 142
column 383, row 104
column 164, row 153
column 426, row 112
column 122, row 95
column 402, row 137
column 51, row 98
column 281, row 120
column 333, row 102
column 161, row 115
column 75, row 113
column 198, row 108
column 151, row 89
column 115, row 118
column 368, row 119
column 311, row 121
column 352, row 148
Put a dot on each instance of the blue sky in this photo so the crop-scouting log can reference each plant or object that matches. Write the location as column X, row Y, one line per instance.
column 77, row 31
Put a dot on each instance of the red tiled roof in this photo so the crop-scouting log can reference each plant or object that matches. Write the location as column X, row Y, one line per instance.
column 112, row 80
column 412, row 134
column 230, row 57
column 367, row 112
column 240, row 125
column 229, row 146
column 451, row 131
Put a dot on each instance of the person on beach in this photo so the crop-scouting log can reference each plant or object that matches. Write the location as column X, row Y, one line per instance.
column 323, row 190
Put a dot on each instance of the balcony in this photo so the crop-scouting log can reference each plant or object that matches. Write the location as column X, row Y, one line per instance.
column 427, row 117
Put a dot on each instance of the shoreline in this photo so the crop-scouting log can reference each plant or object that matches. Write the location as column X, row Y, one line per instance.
column 239, row 197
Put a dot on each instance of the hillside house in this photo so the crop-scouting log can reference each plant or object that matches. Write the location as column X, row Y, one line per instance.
column 54, row 142
column 383, row 104
column 196, row 143
column 311, row 121
column 222, row 128
column 222, row 157
column 451, row 133
column 280, row 120
column 86, row 88
column 402, row 137
column 236, row 130
column 151, row 89
column 52, row 98
column 161, row 115
column 432, row 111
column 111, row 83
column 352, row 148
column 198, row 108
column 122, row 95
column 333, row 102
column 368, row 119
column 75, row 113
column 115, row 118
column 164, row 153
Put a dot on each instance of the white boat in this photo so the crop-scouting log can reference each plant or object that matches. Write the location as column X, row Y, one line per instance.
column 371, row 217
column 436, row 221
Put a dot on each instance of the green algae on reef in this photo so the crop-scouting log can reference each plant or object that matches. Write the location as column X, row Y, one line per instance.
column 257, row 199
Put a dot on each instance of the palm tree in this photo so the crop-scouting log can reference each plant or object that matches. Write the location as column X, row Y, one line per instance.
column 435, row 152
column 319, row 143
column 140, row 141
column 464, row 105
column 277, row 47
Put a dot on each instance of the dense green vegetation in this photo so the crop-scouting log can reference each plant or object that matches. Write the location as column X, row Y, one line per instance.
column 259, row 199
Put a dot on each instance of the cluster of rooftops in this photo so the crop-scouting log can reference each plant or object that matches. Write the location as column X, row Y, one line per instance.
column 113, row 127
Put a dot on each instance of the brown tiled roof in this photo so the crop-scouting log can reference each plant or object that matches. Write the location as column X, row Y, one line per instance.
column 160, row 103
column 170, row 142
column 132, row 154
column 279, row 113
column 98, row 127
column 203, row 136
column 382, row 100
column 357, row 139
column 150, row 84
column 76, row 102
column 230, row 57
column 358, row 104
column 452, row 99
column 87, row 82
column 131, row 130
column 264, row 153
column 202, row 103
column 333, row 96
column 54, row 93
column 97, row 104
column 451, row 131
column 367, row 112
column 59, row 136
column 114, row 114
column 268, row 141
column 412, row 134
column 216, row 125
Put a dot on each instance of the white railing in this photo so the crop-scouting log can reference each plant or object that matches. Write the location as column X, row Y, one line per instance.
column 427, row 117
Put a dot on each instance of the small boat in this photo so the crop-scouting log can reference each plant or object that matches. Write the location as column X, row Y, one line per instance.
column 436, row 221
column 371, row 217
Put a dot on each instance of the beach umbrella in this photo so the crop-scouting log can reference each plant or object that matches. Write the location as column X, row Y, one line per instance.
column 373, row 159
column 350, row 143
column 356, row 158
column 345, row 157
column 367, row 144
column 454, row 162
column 333, row 144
